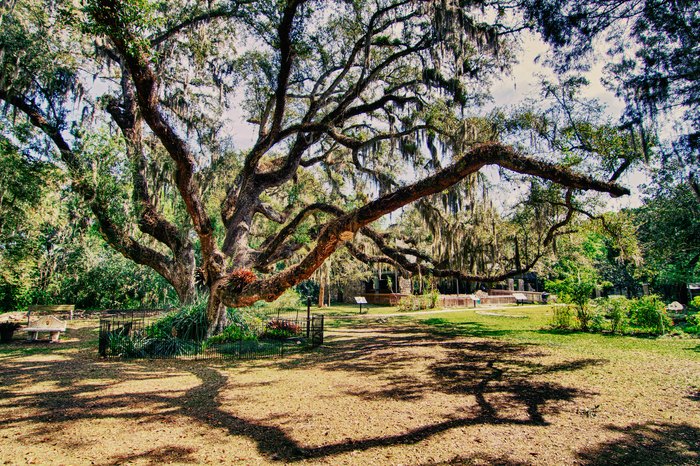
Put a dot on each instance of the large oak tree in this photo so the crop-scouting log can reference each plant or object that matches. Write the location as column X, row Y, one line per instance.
column 342, row 91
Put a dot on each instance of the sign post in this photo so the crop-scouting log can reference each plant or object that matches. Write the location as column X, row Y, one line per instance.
column 360, row 300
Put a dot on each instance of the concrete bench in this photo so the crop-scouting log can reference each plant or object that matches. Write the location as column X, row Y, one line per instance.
column 48, row 324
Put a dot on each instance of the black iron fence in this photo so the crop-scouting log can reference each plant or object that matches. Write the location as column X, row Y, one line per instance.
column 130, row 335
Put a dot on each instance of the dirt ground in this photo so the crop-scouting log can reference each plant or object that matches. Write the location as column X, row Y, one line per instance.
column 380, row 394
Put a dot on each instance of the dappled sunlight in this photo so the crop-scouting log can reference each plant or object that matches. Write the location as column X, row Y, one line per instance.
column 647, row 443
column 380, row 392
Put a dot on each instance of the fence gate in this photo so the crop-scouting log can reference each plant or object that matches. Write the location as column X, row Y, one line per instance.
column 316, row 330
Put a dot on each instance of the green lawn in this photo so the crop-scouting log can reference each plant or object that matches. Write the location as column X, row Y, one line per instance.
column 532, row 328
column 522, row 324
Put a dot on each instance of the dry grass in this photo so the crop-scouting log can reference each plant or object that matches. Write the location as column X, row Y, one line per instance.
column 405, row 393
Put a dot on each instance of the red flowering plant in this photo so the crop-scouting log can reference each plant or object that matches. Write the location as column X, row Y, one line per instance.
column 279, row 329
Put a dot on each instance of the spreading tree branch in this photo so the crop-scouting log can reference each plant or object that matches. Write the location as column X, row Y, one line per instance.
column 343, row 228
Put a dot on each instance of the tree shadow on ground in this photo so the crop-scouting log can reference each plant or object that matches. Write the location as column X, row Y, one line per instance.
column 479, row 458
column 158, row 456
column 446, row 328
column 647, row 444
column 499, row 378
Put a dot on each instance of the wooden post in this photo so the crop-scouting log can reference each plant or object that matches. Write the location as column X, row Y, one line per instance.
column 308, row 316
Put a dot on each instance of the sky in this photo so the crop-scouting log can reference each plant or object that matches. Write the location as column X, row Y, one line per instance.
column 524, row 82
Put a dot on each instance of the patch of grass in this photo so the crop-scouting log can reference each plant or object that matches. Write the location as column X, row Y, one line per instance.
column 26, row 350
column 534, row 330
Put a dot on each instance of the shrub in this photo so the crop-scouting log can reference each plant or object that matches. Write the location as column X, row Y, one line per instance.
column 249, row 318
column 562, row 317
column 413, row 303
column 232, row 333
column 584, row 317
column 127, row 346
column 693, row 323
column 171, row 346
column 419, row 302
column 694, row 319
column 616, row 310
column 433, row 297
column 188, row 323
column 576, row 290
column 597, row 321
column 139, row 345
column 694, row 305
column 649, row 313
column 289, row 300
column 279, row 329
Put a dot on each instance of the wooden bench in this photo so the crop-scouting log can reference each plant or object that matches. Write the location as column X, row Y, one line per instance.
column 69, row 308
column 48, row 324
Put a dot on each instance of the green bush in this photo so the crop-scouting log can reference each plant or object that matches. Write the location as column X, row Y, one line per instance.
column 172, row 346
column 598, row 321
column 188, row 323
column 127, row 346
column 562, row 317
column 139, row 345
column 419, row 302
column 615, row 310
column 694, row 305
column 618, row 311
column 288, row 301
column 576, row 290
column 433, row 297
column 413, row 303
column 584, row 315
column 694, row 319
column 649, row 313
column 232, row 333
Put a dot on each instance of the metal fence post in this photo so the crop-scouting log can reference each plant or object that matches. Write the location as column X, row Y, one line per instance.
column 308, row 316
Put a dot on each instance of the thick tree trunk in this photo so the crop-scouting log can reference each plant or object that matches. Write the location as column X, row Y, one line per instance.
column 217, row 317
column 185, row 289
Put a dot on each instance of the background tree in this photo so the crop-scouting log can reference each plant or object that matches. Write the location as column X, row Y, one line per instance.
column 354, row 91
column 655, row 67
column 669, row 233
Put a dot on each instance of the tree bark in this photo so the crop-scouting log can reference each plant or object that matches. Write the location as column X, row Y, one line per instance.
column 321, row 292
column 217, row 315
